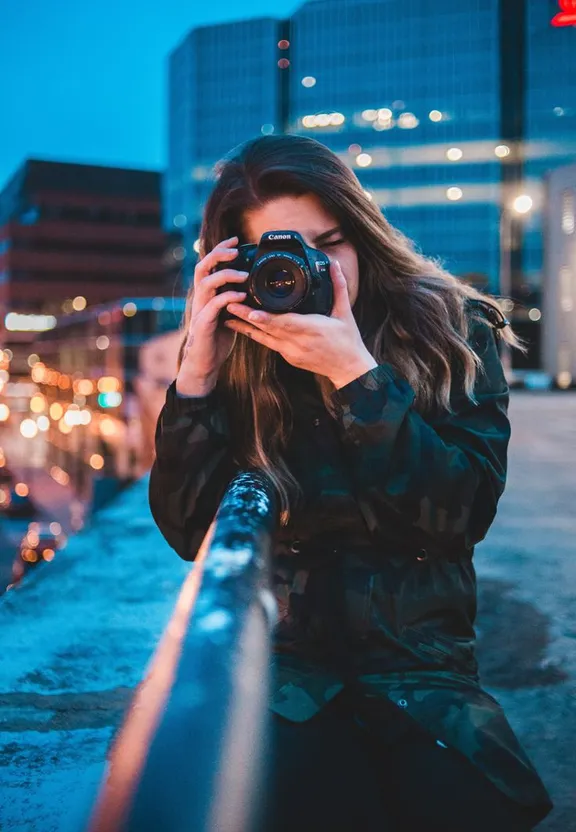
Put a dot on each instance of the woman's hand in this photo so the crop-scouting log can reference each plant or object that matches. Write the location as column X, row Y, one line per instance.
column 208, row 345
column 329, row 346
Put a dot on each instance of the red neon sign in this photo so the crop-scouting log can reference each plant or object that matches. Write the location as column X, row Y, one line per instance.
column 567, row 17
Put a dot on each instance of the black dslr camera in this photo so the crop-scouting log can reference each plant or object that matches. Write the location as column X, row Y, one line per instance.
column 285, row 275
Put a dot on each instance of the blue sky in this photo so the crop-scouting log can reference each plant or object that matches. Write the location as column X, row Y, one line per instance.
column 86, row 81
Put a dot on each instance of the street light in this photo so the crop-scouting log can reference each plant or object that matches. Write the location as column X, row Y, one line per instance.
column 521, row 205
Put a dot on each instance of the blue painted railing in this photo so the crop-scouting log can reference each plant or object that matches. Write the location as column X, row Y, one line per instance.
column 190, row 755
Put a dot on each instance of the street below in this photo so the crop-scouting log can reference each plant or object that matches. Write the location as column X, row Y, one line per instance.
column 79, row 633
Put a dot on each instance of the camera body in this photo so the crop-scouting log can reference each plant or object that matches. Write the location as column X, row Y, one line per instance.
column 284, row 275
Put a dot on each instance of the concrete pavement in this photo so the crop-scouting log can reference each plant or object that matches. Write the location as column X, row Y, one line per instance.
column 527, row 602
column 76, row 637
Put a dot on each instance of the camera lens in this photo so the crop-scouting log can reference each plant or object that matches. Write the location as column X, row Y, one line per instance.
column 280, row 283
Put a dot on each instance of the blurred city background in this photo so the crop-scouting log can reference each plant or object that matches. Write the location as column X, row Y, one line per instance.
column 458, row 118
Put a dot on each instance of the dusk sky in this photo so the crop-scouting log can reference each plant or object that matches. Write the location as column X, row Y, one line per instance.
column 86, row 81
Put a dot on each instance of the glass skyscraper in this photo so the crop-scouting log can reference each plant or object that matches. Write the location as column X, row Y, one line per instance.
column 222, row 90
column 550, row 122
column 447, row 111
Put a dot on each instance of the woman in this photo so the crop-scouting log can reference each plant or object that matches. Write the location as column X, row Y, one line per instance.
column 383, row 427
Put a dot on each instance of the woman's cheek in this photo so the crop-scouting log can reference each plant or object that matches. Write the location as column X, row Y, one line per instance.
column 351, row 276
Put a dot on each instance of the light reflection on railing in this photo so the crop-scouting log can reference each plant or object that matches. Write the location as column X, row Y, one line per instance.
column 190, row 755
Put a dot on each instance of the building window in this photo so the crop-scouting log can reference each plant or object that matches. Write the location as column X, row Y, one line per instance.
column 566, row 289
column 568, row 212
column 29, row 216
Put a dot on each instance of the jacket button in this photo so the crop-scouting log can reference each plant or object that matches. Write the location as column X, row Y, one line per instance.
column 316, row 423
column 422, row 555
column 295, row 547
column 402, row 703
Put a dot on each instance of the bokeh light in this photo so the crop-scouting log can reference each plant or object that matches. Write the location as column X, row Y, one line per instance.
column 56, row 411
column 28, row 428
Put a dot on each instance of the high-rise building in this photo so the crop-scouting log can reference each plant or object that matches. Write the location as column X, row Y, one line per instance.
column 448, row 112
column 559, row 308
column 73, row 235
column 224, row 87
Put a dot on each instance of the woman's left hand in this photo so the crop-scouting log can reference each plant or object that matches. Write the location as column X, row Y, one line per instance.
column 329, row 346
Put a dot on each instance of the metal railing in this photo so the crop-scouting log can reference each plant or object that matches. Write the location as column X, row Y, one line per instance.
column 190, row 755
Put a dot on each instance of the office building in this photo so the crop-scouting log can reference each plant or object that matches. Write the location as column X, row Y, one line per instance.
column 74, row 235
column 559, row 308
column 447, row 112
column 224, row 87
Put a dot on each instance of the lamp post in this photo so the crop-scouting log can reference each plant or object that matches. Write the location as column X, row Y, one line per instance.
column 519, row 206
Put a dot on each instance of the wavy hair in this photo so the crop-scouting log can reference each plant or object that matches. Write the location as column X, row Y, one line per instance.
column 409, row 310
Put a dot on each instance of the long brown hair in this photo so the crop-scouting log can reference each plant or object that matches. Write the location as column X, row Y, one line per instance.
column 410, row 312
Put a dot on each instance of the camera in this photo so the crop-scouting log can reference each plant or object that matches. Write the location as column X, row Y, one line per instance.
column 284, row 275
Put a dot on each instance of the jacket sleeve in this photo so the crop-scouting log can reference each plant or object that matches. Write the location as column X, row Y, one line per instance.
column 192, row 469
column 443, row 477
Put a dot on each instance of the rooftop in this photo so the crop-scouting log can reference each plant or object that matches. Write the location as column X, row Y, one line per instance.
column 77, row 637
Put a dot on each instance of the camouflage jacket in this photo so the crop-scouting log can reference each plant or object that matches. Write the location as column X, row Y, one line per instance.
column 373, row 575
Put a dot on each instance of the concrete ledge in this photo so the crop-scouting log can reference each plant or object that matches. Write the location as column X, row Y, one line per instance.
column 77, row 636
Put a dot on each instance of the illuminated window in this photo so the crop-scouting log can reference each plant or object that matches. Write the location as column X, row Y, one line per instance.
column 568, row 212
column 522, row 204
column 565, row 286
column 364, row 160
column 407, row 121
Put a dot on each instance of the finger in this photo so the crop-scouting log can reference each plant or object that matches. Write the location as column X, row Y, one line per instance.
column 255, row 334
column 210, row 312
column 221, row 253
column 208, row 285
column 288, row 322
column 341, row 308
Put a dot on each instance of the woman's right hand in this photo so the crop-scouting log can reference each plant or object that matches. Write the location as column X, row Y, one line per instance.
column 208, row 345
